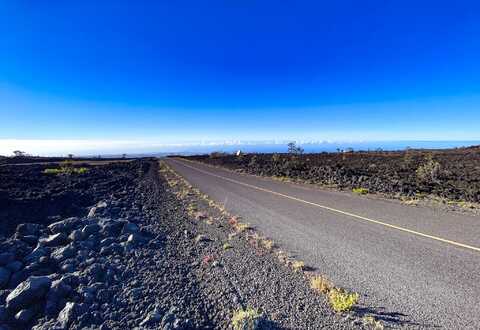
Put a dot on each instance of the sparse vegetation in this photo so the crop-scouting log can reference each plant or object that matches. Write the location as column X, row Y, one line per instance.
column 253, row 161
column 429, row 171
column 298, row 265
column 276, row 158
column 360, row 191
column 66, row 168
column 321, row 284
column 369, row 320
column 342, row 301
column 451, row 173
column 246, row 319
column 241, row 227
column 227, row 246
column 268, row 244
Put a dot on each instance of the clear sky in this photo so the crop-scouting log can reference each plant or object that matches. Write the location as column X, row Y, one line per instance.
column 190, row 71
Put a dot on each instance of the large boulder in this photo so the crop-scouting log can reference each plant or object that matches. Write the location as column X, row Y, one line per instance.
column 54, row 240
column 3, row 314
column 28, row 292
column 36, row 254
column 59, row 290
column 18, row 278
column 69, row 314
column 26, row 315
column 6, row 258
column 28, row 229
column 4, row 276
column 112, row 228
column 63, row 253
column 75, row 235
column 95, row 210
column 91, row 229
column 130, row 228
column 29, row 239
column 14, row 266
column 64, row 226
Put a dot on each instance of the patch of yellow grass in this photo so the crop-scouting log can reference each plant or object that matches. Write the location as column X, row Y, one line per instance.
column 360, row 191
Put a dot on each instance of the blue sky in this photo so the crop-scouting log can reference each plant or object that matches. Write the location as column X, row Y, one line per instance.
column 172, row 72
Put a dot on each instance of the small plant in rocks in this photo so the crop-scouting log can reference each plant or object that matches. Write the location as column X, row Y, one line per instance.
column 246, row 319
column 227, row 246
column 369, row 320
column 298, row 266
column 268, row 244
column 342, row 301
column 241, row 227
column 321, row 284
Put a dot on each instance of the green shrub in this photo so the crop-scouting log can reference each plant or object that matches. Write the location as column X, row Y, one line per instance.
column 342, row 301
column 360, row 191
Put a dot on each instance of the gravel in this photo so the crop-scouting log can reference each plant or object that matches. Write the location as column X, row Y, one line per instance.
column 140, row 260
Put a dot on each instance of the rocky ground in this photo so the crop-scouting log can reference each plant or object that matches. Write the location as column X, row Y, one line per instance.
column 143, row 254
column 452, row 174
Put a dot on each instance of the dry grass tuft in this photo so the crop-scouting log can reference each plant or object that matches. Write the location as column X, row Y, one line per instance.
column 268, row 244
column 246, row 319
column 241, row 227
column 369, row 320
column 321, row 284
column 298, row 265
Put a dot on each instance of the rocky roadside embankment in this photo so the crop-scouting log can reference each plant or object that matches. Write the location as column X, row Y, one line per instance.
column 141, row 259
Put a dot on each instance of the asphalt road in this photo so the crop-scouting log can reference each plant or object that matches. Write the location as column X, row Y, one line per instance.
column 414, row 267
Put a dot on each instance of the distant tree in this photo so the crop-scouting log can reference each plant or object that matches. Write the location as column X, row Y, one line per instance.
column 294, row 149
column 124, row 156
column 18, row 153
column 70, row 156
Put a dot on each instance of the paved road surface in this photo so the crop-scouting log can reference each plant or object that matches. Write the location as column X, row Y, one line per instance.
column 413, row 266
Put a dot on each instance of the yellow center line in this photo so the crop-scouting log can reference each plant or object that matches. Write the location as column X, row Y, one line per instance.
column 334, row 210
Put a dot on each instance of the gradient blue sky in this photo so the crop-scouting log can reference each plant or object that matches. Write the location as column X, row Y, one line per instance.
column 175, row 71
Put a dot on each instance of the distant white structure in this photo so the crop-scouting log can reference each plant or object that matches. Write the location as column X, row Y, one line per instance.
column 239, row 153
